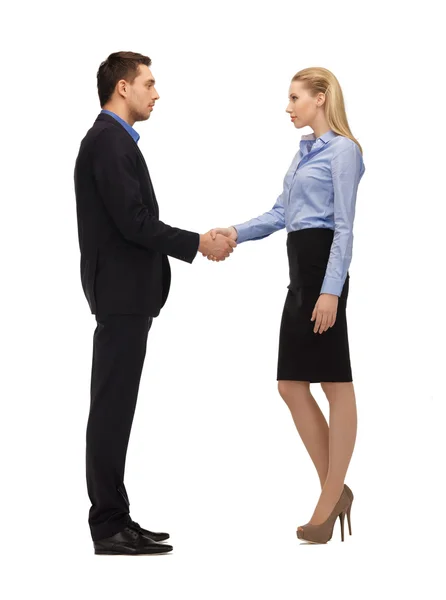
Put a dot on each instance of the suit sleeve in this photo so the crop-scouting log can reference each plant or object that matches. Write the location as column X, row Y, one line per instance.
column 116, row 178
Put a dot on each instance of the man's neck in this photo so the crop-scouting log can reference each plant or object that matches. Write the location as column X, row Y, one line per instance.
column 120, row 112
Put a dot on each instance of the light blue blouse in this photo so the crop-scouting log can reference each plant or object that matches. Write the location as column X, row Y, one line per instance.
column 319, row 190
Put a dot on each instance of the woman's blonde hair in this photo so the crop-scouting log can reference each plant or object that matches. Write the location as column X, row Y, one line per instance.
column 318, row 79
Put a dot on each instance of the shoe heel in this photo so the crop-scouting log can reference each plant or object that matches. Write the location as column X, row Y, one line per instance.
column 348, row 518
column 341, row 520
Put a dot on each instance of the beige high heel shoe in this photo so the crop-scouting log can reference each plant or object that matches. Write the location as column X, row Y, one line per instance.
column 322, row 533
column 347, row 512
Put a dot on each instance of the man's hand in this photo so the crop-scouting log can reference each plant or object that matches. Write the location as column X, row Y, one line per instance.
column 218, row 246
column 324, row 312
column 228, row 232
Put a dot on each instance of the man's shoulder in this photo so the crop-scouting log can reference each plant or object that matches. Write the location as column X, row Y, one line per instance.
column 107, row 136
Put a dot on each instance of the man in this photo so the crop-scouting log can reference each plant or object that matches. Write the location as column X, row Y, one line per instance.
column 125, row 276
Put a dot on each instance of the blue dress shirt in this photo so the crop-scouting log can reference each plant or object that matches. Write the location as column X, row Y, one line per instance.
column 319, row 190
column 135, row 135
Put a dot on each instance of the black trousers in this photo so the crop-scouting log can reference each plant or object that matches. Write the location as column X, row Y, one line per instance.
column 119, row 349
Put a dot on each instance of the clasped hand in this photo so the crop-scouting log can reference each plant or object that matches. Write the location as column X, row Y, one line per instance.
column 218, row 244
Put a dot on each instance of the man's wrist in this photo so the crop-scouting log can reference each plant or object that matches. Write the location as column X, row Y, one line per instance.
column 201, row 243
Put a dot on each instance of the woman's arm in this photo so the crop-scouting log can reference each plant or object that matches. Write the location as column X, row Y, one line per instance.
column 346, row 168
column 263, row 225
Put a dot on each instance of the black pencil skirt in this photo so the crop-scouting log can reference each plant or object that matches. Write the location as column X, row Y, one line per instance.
column 303, row 354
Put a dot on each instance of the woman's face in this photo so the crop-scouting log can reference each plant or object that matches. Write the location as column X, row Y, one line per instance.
column 302, row 107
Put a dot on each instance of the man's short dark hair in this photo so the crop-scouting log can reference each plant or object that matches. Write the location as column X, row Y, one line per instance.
column 119, row 65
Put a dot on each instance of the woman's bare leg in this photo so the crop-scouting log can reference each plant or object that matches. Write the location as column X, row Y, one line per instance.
column 342, row 437
column 310, row 423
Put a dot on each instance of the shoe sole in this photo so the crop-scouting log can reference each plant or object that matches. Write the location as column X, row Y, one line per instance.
column 117, row 552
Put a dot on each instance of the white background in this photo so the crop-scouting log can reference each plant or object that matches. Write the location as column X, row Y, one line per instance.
column 214, row 457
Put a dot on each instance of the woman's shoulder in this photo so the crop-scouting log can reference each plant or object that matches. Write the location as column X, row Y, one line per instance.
column 342, row 142
column 346, row 149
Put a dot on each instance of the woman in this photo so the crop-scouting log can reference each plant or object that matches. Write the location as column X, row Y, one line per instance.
column 317, row 207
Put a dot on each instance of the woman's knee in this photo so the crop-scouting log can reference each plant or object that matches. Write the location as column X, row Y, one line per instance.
column 290, row 390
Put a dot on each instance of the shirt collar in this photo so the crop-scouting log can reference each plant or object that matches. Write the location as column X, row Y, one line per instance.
column 135, row 135
column 325, row 137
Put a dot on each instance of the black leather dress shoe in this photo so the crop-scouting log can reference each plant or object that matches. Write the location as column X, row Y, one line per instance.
column 157, row 537
column 129, row 541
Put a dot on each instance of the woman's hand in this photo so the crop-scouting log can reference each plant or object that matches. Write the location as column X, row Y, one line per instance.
column 324, row 312
column 230, row 232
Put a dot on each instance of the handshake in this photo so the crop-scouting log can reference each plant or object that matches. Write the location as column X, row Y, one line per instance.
column 217, row 244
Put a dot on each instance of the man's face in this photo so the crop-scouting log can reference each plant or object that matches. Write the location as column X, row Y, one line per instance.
column 142, row 95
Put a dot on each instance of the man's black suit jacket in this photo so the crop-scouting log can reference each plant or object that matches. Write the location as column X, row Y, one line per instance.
column 124, row 246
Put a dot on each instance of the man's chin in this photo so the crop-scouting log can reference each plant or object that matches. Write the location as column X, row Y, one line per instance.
column 142, row 118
